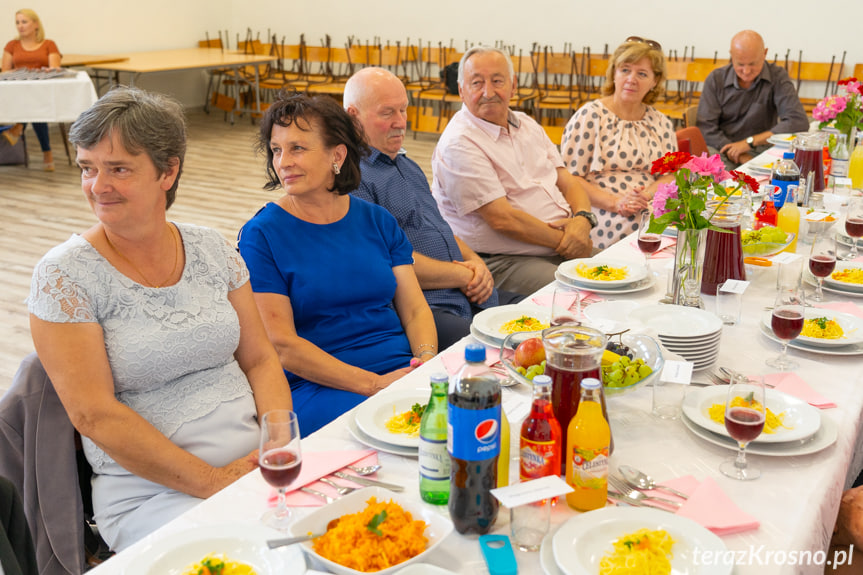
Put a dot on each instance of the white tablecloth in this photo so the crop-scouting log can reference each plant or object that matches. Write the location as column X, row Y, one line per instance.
column 54, row 100
column 795, row 500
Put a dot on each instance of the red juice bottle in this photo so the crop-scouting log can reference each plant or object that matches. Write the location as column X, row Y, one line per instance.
column 766, row 215
column 541, row 440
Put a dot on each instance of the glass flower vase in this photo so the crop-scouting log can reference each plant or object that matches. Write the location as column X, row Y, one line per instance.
column 689, row 267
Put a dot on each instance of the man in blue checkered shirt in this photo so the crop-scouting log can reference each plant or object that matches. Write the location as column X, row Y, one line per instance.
column 454, row 279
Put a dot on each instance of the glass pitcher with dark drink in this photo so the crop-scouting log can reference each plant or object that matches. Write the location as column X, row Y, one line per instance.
column 723, row 256
column 572, row 354
column 809, row 157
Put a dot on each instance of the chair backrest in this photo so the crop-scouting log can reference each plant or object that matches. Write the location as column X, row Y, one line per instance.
column 37, row 453
column 693, row 135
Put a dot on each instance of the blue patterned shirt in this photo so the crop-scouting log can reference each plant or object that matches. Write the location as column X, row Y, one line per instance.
column 401, row 187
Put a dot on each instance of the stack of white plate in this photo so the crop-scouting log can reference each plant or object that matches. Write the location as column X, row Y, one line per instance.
column 368, row 425
column 805, row 429
column 691, row 333
column 635, row 276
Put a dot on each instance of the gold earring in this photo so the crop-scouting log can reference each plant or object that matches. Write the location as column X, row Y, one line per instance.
column 336, row 169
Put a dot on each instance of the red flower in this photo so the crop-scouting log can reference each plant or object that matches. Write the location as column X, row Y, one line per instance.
column 746, row 180
column 848, row 80
column 669, row 163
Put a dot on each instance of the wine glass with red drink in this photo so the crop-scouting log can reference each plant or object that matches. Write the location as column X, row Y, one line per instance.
column 745, row 414
column 649, row 243
column 280, row 459
column 822, row 261
column 787, row 323
column 565, row 306
column 854, row 224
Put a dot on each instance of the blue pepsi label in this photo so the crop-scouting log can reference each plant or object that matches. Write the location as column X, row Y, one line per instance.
column 473, row 434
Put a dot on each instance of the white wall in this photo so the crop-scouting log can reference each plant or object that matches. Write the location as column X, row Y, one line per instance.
column 95, row 26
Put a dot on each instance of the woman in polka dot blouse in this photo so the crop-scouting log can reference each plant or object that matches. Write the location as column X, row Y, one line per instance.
column 610, row 143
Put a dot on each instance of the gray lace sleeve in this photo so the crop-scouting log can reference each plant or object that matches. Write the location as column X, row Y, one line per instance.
column 57, row 296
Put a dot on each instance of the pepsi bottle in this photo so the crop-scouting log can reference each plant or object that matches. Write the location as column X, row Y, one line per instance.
column 473, row 442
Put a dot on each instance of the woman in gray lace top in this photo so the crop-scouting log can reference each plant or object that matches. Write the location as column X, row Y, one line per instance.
column 148, row 329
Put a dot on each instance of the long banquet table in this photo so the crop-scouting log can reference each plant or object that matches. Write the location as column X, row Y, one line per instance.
column 795, row 500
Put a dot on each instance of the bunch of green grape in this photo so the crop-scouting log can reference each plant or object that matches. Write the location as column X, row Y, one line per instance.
column 532, row 371
column 624, row 372
column 767, row 234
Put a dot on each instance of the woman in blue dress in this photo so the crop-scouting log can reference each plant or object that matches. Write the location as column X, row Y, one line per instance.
column 332, row 274
column 148, row 328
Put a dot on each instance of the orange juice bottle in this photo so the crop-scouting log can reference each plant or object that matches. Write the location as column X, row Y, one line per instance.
column 588, row 437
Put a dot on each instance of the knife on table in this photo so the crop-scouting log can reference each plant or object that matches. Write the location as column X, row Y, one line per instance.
column 368, row 482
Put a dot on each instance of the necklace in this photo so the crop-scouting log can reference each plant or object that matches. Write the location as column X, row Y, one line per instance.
column 139, row 272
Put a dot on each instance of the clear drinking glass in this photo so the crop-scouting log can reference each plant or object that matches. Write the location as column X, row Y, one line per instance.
column 854, row 223
column 280, row 458
column 649, row 243
column 822, row 261
column 566, row 306
column 787, row 323
column 745, row 414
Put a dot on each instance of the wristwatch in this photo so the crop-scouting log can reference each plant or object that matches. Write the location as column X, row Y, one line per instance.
column 751, row 141
column 589, row 216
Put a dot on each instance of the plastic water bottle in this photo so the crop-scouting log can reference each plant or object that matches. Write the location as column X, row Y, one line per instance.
column 434, row 461
column 840, row 156
column 785, row 173
column 473, row 442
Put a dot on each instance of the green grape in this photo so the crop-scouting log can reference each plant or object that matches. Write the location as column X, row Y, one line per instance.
column 624, row 361
column 521, row 370
column 644, row 371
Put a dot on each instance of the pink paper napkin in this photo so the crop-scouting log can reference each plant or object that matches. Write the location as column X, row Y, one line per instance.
column 547, row 299
column 793, row 384
column 453, row 360
column 665, row 248
column 844, row 307
column 317, row 464
column 708, row 505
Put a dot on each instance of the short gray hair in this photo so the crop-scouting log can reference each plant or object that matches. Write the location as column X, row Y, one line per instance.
column 482, row 50
column 143, row 121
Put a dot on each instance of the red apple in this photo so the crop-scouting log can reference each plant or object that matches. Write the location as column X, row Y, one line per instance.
column 529, row 352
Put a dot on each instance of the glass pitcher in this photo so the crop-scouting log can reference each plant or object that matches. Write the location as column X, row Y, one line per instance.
column 723, row 256
column 572, row 353
column 809, row 157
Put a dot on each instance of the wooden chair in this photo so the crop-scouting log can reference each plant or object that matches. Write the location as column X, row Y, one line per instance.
column 434, row 98
column 697, row 72
column 557, row 84
column 594, row 74
column 526, row 89
column 695, row 139
column 827, row 72
column 690, row 116
column 674, row 103
column 215, row 75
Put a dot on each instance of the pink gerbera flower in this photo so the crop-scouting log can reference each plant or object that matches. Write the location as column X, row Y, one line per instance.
column 663, row 193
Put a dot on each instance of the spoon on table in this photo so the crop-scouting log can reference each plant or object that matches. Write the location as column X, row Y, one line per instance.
column 367, row 470
column 640, row 480
column 274, row 543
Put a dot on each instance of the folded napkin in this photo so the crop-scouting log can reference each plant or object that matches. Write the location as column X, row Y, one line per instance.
column 665, row 248
column 547, row 299
column 453, row 360
column 793, row 384
column 708, row 505
column 848, row 307
column 317, row 464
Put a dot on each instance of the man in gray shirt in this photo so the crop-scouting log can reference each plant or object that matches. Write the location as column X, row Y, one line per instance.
column 745, row 102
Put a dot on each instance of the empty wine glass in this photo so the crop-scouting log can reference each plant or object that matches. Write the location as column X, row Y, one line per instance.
column 787, row 323
column 822, row 261
column 649, row 243
column 745, row 414
column 566, row 306
column 854, row 223
column 280, row 458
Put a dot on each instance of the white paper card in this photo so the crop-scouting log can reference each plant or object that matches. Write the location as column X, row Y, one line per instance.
column 785, row 257
column 677, row 372
column 816, row 216
column 734, row 286
column 842, row 182
column 531, row 491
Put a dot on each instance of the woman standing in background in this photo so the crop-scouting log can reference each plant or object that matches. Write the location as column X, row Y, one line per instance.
column 31, row 50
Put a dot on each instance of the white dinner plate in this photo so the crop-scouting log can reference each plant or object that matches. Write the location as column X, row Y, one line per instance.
column 851, row 325
column 839, row 289
column 695, row 346
column 373, row 413
column 824, row 438
column 802, row 418
column 852, row 349
column 708, row 339
column 846, row 286
column 609, row 316
column 546, row 554
column 641, row 285
column 677, row 321
column 173, row 554
column 369, row 441
column 437, row 529
column 581, row 542
column 488, row 322
column 695, row 350
column 634, row 271
column 783, row 140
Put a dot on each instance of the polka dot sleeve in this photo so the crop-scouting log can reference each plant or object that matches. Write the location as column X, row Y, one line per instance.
column 578, row 145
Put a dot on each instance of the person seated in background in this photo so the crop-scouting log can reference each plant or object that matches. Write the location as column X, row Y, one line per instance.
column 148, row 329
column 500, row 182
column 332, row 274
column 455, row 280
column 31, row 50
column 746, row 101
column 609, row 144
